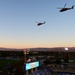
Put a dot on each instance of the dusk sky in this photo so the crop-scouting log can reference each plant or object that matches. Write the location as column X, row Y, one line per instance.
column 18, row 24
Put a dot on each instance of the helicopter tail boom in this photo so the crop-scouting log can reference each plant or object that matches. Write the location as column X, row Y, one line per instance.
column 72, row 6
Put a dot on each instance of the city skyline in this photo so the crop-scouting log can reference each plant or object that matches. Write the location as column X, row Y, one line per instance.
column 18, row 24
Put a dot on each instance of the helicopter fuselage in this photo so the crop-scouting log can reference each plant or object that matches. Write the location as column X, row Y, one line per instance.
column 40, row 24
column 65, row 9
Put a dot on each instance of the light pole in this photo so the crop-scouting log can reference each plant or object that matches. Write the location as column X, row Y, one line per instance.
column 25, row 51
column 25, row 55
column 67, row 54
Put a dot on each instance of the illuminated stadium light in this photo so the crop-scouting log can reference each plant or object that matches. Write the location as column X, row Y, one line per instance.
column 66, row 49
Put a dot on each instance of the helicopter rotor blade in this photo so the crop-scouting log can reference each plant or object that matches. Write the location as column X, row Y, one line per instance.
column 59, row 8
column 37, row 22
column 64, row 5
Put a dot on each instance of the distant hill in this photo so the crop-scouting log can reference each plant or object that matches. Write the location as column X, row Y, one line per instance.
column 55, row 49
column 9, row 49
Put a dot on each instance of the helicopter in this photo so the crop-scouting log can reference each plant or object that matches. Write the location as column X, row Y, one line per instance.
column 65, row 9
column 40, row 23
